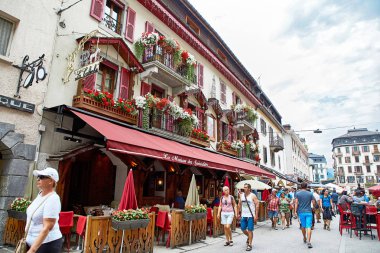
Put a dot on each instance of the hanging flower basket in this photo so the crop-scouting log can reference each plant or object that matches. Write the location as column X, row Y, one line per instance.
column 129, row 224
column 18, row 215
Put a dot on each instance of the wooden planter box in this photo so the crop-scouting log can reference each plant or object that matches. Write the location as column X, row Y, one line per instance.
column 227, row 151
column 130, row 224
column 200, row 142
column 87, row 103
column 17, row 215
column 194, row 216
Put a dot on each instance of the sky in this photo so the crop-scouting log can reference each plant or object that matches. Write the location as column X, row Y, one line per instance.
column 317, row 61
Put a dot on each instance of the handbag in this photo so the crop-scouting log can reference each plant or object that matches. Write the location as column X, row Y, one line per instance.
column 21, row 246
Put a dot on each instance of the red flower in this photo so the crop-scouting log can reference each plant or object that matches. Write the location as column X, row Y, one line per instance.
column 104, row 99
column 106, row 103
column 128, row 110
column 120, row 100
column 109, row 95
column 112, row 102
column 184, row 55
column 96, row 93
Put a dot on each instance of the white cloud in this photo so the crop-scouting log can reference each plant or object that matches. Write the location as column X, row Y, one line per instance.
column 318, row 60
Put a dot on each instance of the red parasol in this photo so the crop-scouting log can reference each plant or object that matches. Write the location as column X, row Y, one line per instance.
column 128, row 199
column 265, row 195
column 375, row 190
column 226, row 182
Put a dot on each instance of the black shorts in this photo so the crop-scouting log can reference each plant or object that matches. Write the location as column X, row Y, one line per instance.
column 51, row 247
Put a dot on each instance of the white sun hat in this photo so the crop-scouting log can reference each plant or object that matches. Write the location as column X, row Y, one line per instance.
column 49, row 172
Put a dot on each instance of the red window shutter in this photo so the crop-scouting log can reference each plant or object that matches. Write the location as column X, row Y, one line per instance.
column 89, row 82
column 124, row 83
column 230, row 134
column 130, row 24
column 201, row 118
column 200, row 75
column 233, row 98
column 149, row 27
column 145, row 88
column 97, row 8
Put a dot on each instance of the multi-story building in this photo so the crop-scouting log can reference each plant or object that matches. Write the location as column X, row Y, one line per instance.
column 318, row 167
column 357, row 158
column 297, row 164
column 104, row 58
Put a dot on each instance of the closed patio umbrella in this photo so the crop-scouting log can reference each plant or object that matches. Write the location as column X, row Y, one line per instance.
column 226, row 182
column 192, row 195
column 128, row 199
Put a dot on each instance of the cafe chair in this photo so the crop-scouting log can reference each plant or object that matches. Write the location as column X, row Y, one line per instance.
column 66, row 222
column 360, row 220
column 372, row 221
column 210, row 220
column 345, row 220
column 164, row 224
column 154, row 209
column 80, row 231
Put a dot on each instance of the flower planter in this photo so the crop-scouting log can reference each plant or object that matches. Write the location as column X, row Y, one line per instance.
column 17, row 215
column 90, row 104
column 199, row 142
column 129, row 224
column 193, row 216
column 227, row 151
column 201, row 215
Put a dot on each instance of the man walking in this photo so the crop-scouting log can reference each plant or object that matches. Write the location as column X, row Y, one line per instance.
column 273, row 204
column 249, row 207
column 334, row 197
column 303, row 200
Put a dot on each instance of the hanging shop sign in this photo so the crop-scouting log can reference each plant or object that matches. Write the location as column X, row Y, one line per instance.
column 17, row 104
column 35, row 70
column 89, row 60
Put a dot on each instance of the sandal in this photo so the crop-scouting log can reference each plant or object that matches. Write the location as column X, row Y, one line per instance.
column 249, row 248
column 247, row 242
column 227, row 244
column 231, row 243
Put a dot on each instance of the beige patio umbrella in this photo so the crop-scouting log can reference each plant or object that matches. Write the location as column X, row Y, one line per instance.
column 255, row 184
column 192, row 195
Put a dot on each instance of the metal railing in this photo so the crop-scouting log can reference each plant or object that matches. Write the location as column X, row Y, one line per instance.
column 112, row 23
column 276, row 142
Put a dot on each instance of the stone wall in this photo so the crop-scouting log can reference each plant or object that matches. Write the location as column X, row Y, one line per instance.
column 15, row 157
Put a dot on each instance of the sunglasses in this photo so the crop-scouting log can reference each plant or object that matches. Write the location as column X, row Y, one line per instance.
column 41, row 177
column 225, row 202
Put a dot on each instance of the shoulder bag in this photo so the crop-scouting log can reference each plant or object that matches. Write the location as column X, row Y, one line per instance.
column 21, row 246
column 248, row 205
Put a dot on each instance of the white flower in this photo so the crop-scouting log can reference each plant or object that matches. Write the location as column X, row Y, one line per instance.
column 149, row 39
column 195, row 120
column 140, row 102
column 252, row 146
column 191, row 60
column 237, row 145
column 239, row 108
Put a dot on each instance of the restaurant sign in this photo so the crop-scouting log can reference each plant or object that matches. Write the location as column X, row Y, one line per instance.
column 17, row 104
column 179, row 159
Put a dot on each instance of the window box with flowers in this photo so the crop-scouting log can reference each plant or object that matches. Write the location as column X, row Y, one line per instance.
column 130, row 219
column 104, row 104
column 200, row 137
column 195, row 212
column 226, row 147
column 18, row 209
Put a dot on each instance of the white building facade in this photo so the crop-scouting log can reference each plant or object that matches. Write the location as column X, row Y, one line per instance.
column 318, row 167
column 297, row 164
column 357, row 158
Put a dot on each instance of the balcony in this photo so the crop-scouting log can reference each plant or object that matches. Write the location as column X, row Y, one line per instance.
column 376, row 152
column 338, row 154
column 358, row 173
column 243, row 123
column 112, row 23
column 355, row 152
column 160, row 64
column 89, row 104
column 276, row 143
column 248, row 156
column 340, row 173
column 225, row 147
column 367, row 162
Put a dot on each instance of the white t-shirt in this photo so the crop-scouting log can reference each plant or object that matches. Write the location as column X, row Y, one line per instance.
column 244, row 207
column 316, row 197
column 49, row 209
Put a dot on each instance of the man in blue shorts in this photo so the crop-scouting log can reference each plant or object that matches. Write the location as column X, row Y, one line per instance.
column 303, row 200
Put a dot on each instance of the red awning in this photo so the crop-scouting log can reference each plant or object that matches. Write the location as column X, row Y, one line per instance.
column 126, row 140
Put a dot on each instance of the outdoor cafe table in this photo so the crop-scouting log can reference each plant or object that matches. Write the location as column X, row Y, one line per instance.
column 180, row 229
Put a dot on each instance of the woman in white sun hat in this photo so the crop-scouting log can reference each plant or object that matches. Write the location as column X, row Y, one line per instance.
column 43, row 214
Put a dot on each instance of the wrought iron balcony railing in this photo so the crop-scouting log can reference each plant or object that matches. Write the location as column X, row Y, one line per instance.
column 112, row 23
column 276, row 143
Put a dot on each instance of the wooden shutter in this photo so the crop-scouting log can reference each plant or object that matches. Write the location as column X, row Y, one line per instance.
column 233, row 98
column 149, row 27
column 89, row 82
column 231, row 133
column 201, row 118
column 130, row 24
column 145, row 88
column 124, row 83
column 97, row 7
column 200, row 75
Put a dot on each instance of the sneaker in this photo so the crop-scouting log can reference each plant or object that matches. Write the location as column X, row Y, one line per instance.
column 304, row 240
column 249, row 248
column 324, row 226
column 231, row 243
column 328, row 228
column 309, row 245
column 227, row 244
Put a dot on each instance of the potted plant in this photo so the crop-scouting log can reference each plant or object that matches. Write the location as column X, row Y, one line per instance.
column 130, row 219
column 18, row 208
column 194, row 212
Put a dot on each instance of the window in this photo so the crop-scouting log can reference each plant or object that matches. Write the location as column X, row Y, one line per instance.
column 221, row 55
column 6, row 28
column 338, row 150
column 225, row 132
column 366, row 159
column 112, row 16
column 355, row 148
column 347, row 150
column 350, row 179
column 370, row 179
column 263, row 125
column 340, row 160
column 201, row 119
column 356, row 159
column 265, row 155
column 211, row 127
column 375, row 148
column 192, row 25
column 347, row 159
column 105, row 80
column 279, row 162
column 378, row 169
column 368, row 168
column 360, row 179
column 349, row 169
column 342, row 179
column 272, row 159
column 376, row 158
column 223, row 91
column 365, row 149
column 358, row 169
